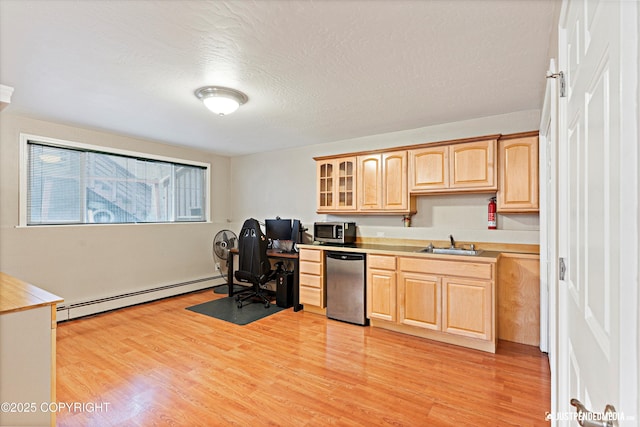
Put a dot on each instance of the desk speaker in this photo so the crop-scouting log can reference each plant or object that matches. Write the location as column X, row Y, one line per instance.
column 284, row 289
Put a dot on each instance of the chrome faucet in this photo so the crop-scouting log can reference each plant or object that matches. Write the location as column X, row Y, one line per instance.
column 453, row 242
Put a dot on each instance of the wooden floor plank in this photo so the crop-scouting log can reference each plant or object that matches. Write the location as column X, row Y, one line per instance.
column 160, row 364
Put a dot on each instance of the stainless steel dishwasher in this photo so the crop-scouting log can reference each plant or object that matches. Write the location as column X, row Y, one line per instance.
column 346, row 287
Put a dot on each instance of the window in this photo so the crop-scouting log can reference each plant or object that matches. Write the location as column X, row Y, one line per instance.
column 78, row 184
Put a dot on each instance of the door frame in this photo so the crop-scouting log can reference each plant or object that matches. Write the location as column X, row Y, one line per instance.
column 629, row 165
column 548, row 163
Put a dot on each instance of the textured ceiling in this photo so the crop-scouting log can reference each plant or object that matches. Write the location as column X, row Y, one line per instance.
column 314, row 71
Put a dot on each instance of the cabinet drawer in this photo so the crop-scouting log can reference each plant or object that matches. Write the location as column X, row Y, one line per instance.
column 312, row 296
column 310, row 255
column 447, row 268
column 310, row 280
column 384, row 262
column 308, row 267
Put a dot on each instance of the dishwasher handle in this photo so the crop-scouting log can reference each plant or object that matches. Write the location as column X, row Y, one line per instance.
column 345, row 256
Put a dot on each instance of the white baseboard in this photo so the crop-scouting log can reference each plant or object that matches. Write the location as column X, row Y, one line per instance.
column 87, row 308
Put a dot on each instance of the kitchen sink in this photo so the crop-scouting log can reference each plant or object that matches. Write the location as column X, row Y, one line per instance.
column 455, row 251
column 450, row 251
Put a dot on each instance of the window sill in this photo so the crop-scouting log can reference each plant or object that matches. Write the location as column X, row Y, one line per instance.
column 103, row 224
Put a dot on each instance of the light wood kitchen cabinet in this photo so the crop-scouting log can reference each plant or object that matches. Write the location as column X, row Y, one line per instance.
column 467, row 307
column 429, row 169
column 518, row 165
column 381, row 287
column 388, row 181
column 465, row 301
column 420, row 300
column 370, row 182
column 336, row 180
column 450, row 301
column 468, row 167
column 311, row 278
column 446, row 300
column 473, row 166
column 519, row 298
column 382, row 183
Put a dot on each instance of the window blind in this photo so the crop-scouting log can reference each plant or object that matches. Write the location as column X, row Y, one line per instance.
column 74, row 186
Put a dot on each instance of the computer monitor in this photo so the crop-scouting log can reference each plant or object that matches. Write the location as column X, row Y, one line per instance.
column 295, row 231
column 278, row 229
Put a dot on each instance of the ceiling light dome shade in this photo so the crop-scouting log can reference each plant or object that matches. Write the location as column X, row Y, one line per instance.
column 221, row 100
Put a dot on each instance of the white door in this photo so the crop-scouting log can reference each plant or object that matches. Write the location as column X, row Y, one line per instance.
column 598, row 208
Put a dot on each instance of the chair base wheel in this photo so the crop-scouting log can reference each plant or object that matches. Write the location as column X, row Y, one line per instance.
column 252, row 296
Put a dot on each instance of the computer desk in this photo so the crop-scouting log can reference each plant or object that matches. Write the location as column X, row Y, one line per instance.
column 273, row 254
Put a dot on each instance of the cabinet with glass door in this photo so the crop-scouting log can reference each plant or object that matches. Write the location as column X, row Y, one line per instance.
column 336, row 180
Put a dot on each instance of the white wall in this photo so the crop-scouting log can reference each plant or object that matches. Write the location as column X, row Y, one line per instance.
column 94, row 261
column 283, row 183
column 85, row 262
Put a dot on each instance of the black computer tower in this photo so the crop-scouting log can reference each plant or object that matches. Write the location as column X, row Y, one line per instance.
column 284, row 289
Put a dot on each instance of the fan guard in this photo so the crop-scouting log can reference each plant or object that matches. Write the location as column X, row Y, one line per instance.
column 223, row 242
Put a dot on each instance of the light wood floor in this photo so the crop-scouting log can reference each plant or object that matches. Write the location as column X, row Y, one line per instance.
column 159, row 364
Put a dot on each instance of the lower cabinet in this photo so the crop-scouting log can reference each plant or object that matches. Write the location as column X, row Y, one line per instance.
column 419, row 297
column 449, row 301
column 311, row 279
column 468, row 307
column 518, row 297
column 381, row 287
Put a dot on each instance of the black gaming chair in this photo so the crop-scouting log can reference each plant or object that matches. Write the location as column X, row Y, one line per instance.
column 254, row 266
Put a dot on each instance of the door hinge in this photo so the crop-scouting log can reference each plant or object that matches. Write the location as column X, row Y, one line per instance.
column 562, row 268
column 561, row 80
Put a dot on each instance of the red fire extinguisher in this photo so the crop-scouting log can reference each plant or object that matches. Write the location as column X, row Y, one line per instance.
column 492, row 214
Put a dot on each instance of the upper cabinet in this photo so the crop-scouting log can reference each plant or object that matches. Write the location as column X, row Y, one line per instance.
column 429, row 169
column 472, row 166
column 370, row 182
column 452, row 168
column 336, row 180
column 382, row 183
column 518, row 186
column 387, row 181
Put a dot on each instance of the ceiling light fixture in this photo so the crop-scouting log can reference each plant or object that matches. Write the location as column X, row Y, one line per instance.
column 221, row 100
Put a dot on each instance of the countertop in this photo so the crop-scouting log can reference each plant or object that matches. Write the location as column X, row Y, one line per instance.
column 17, row 295
column 484, row 256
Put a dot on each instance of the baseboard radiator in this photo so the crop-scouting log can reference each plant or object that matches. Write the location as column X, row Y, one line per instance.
column 100, row 305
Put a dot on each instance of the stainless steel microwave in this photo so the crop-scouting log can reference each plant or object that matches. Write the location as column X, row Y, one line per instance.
column 335, row 232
